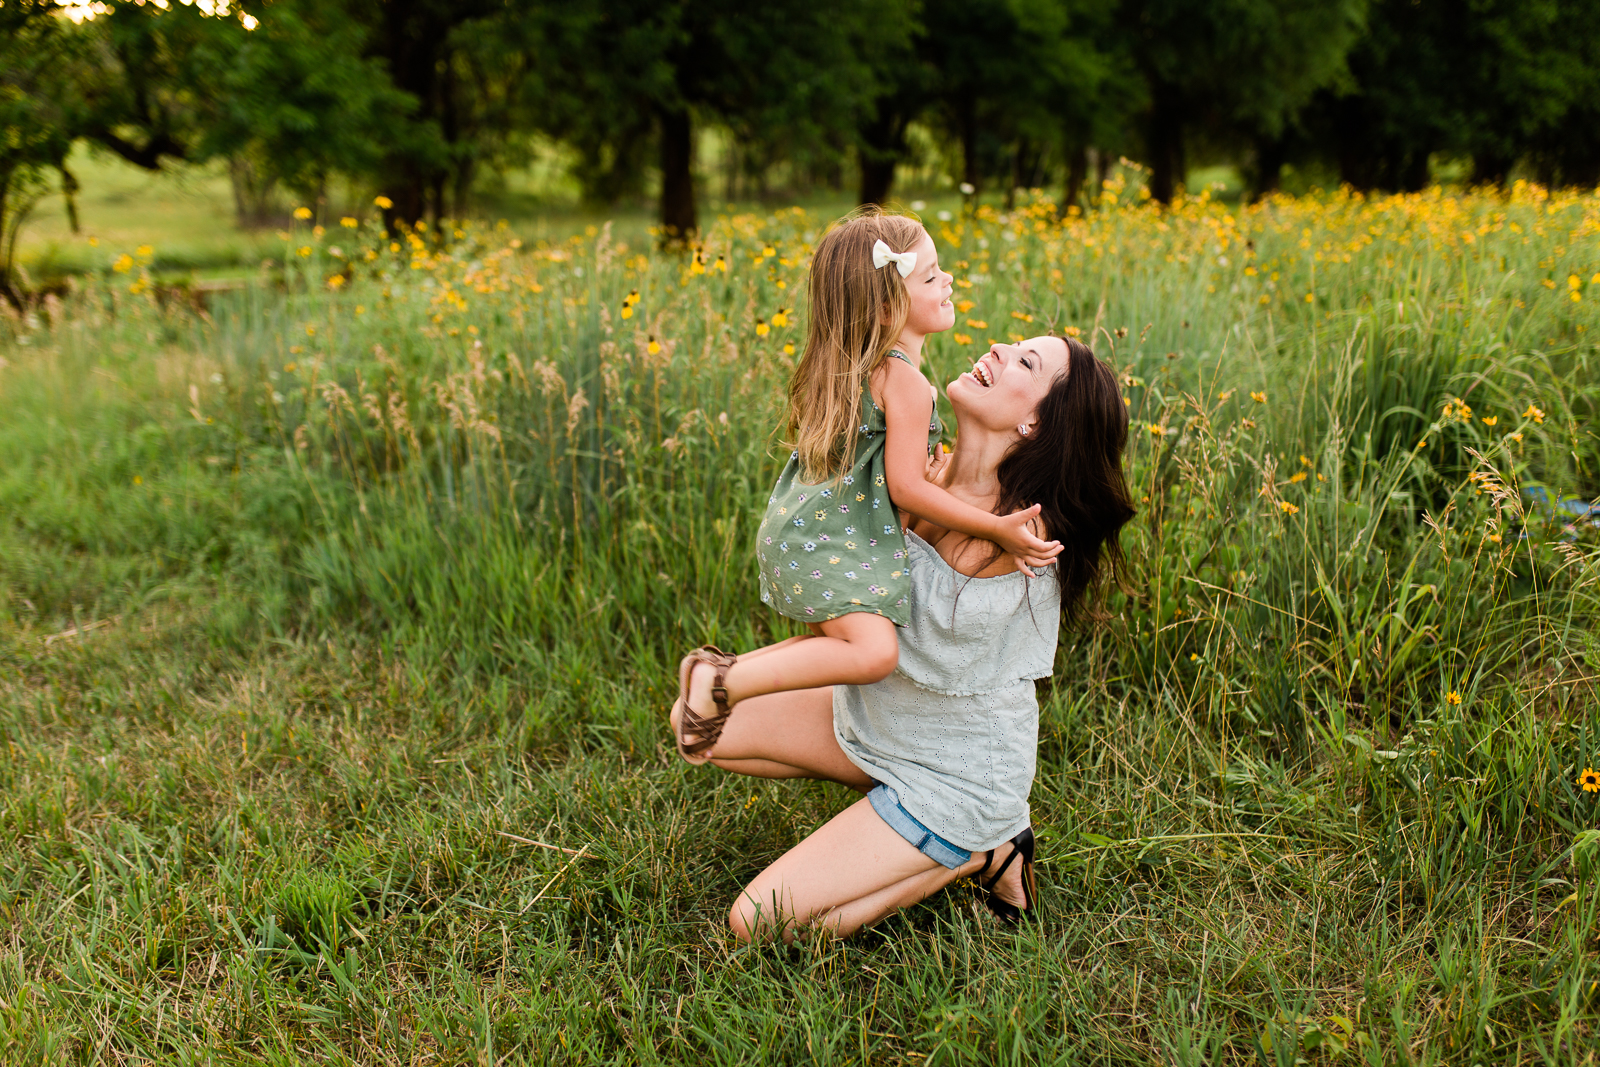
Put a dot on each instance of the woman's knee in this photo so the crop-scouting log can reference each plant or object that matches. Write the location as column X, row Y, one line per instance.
column 742, row 920
column 755, row 914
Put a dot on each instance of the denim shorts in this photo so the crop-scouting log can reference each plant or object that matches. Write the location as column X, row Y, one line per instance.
column 886, row 802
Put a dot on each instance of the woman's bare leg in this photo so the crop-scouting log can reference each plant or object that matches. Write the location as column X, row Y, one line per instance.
column 786, row 735
column 851, row 873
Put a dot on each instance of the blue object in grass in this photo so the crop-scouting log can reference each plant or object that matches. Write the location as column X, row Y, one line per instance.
column 1582, row 511
column 1540, row 497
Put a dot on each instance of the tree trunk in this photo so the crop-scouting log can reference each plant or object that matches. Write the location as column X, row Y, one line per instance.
column 971, row 167
column 1027, row 161
column 678, row 221
column 461, row 192
column 1415, row 178
column 412, row 40
column 1271, row 153
column 877, row 178
column 1165, row 137
column 882, row 141
column 7, row 291
column 1490, row 168
column 1077, row 171
column 1352, row 134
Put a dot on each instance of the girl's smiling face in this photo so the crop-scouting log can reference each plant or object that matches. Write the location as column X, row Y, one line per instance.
column 929, row 289
column 1003, row 389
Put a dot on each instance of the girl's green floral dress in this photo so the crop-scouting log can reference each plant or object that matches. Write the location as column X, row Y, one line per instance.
column 828, row 549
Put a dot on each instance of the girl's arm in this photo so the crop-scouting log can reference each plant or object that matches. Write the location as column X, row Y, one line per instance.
column 908, row 407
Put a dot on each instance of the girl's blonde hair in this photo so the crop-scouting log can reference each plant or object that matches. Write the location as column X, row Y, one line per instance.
column 857, row 313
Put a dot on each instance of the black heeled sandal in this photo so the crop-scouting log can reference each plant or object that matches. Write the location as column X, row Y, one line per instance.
column 1004, row 910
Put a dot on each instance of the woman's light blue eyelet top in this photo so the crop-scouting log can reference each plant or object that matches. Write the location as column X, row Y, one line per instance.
column 954, row 730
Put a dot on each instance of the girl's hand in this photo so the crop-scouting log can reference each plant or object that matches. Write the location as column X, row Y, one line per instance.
column 1015, row 536
column 938, row 461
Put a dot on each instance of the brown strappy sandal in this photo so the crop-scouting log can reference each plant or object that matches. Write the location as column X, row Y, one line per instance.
column 708, row 729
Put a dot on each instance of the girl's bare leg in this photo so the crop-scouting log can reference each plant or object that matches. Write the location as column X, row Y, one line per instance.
column 855, row 649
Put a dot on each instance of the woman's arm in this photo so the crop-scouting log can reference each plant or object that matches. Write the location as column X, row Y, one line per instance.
column 908, row 407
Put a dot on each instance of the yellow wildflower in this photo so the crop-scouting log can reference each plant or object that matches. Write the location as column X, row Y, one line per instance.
column 1287, row 508
column 977, row 324
column 302, row 213
column 1298, row 476
column 1589, row 779
column 348, row 223
column 123, row 264
column 961, row 338
column 1534, row 413
column 788, row 349
column 654, row 347
column 762, row 329
column 780, row 318
column 1259, row 398
column 1490, row 420
column 383, row 202
column 1452, row 698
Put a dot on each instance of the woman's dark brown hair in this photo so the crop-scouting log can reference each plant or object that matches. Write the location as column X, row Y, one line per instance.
column 1071, row 466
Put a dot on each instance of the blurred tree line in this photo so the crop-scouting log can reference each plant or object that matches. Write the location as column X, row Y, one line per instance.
column 415, row 99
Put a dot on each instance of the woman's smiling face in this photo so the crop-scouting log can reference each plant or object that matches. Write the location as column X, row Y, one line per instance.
column 929, row 290
column 1003, row 389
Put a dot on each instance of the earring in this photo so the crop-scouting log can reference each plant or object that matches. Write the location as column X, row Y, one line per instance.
column 1022, row 429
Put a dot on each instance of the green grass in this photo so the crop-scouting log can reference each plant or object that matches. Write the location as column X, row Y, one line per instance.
column 311, row 598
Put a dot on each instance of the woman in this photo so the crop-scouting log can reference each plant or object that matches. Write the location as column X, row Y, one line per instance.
column 944, row 747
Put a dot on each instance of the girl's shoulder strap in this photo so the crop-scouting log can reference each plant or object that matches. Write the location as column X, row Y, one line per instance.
column 897, row 354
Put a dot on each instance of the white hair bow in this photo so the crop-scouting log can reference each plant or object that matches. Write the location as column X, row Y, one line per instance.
column 904, row 262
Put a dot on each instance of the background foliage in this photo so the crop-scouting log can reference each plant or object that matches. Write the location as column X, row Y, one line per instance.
column 419, row 101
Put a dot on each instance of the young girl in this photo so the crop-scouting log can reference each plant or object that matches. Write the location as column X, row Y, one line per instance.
column 863, row 419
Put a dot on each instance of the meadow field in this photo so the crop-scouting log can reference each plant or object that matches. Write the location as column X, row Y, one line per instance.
column 339, row 615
